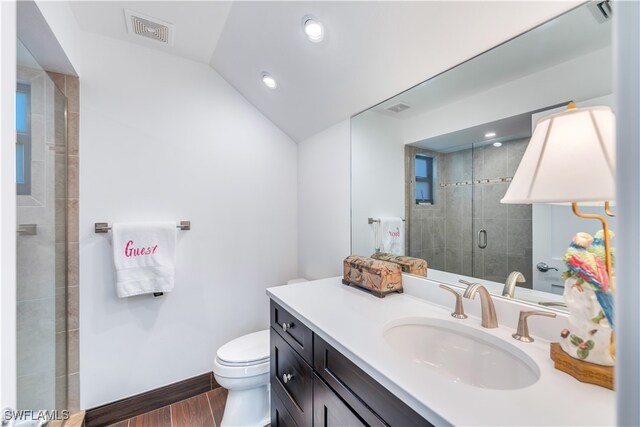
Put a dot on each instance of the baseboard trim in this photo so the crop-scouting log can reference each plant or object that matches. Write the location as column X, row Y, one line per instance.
column 129, row 407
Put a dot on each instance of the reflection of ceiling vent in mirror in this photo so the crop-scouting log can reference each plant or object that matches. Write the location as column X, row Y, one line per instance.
column 398, row 108
column 148, row 27
column 601, row 10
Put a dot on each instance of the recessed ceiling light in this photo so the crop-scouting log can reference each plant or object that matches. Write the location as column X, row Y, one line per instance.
column 489, row 134
column 269, row 81
column 497, row 144
column 313, row 29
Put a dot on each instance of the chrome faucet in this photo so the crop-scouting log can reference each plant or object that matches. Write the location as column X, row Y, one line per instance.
column 510, row 285
column 489, row 318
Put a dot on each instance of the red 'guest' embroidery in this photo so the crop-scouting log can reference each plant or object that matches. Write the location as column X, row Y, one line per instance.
column 130, row 251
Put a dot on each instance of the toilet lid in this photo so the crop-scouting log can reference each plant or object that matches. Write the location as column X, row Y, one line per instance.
column 248, row 348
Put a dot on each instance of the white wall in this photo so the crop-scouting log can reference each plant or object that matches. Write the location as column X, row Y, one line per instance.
column 325, row 182
column 7, row 205
column 580, row 78
column 163, row 138
column 324, row 234
column 627, row 374
column 377, row 176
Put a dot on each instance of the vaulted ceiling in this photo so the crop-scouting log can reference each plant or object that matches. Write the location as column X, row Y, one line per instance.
column 371, row 51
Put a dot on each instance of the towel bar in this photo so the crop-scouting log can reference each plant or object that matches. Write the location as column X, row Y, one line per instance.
column 371, row 220
column 103, row 227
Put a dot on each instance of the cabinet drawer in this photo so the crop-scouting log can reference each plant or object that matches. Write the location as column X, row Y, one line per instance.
column 293, row 331
column 359, row 390
column 291, row 380
column 280, row 417
column 329, row 410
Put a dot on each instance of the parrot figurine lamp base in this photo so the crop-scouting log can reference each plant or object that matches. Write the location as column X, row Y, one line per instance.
column 587, row 348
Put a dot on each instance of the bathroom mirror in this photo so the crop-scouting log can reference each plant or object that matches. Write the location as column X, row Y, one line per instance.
column 441, row 155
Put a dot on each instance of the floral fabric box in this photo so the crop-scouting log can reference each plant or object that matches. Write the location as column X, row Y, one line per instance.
column 408, row 264
column 376, row 276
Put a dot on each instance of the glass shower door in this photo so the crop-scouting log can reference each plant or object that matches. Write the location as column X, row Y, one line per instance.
column 41, row 238
column 502, row 232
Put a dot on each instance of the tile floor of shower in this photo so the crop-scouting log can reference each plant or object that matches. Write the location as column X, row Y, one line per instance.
column 203, row 410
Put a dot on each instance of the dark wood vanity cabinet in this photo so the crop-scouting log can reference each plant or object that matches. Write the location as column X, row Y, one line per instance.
column 280, row 416
column 329, row 409
column 291, row 380
column 313, row 384
column 376, row 405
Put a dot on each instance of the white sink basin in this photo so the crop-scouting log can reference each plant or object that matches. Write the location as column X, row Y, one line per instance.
column 461, row 353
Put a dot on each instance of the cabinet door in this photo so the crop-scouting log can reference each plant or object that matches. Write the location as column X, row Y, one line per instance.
column 296, row 334
column 329, row 410
column 360, row 391
column 291, row 380
column 280, row 417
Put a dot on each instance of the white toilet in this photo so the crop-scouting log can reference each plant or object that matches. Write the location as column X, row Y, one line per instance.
column 242, row 367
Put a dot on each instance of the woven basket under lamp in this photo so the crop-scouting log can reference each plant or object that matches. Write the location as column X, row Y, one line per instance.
column 570, row 159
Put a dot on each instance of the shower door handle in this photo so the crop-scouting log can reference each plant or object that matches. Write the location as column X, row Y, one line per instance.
column 482, row 239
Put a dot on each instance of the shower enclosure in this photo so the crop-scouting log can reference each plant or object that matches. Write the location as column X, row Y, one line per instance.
column 41, row 191
column 463, row 228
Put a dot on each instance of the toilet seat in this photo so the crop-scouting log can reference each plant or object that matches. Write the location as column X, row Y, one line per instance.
column 240, row 371
column 242, row 364
column 245, row 356
column 250, row 349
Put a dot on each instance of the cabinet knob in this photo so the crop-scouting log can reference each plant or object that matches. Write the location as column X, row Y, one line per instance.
column 286, row 326
column 286, row 378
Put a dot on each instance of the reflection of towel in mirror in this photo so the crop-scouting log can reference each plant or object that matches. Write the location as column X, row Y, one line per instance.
column 389, row 235
column 144, row 257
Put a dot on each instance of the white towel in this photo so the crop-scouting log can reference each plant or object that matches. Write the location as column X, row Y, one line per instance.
column 144, row 257
column 389, row 235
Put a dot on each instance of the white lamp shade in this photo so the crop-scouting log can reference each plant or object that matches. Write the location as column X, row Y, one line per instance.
column 570, row 158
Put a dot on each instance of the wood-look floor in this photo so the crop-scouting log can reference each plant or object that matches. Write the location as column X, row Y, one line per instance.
column 203, row 410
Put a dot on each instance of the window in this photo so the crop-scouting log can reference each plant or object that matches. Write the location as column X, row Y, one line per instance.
column 23, row 139
column 424, row 180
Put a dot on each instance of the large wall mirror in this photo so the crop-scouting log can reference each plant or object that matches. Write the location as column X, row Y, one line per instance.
column 441, row 156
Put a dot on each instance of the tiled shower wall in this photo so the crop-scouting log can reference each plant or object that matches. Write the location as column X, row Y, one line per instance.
column 445, row 233
column 435, row 231
column 70, row 87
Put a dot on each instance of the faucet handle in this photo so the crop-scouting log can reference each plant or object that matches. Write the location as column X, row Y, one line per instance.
column 458, row 312
column 465, row 282
column 522, row 334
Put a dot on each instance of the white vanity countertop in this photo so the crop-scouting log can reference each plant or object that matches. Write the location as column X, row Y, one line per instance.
column 353, row 322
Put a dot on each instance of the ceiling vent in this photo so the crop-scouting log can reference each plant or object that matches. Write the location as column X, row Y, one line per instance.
column 601, row 10
column 149, row 28
column 398, row 108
